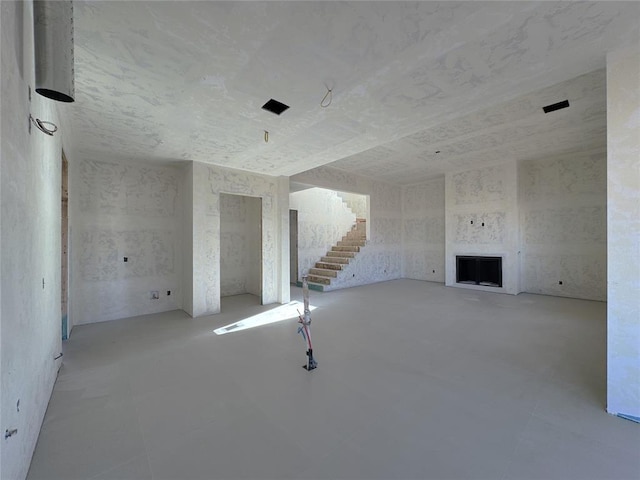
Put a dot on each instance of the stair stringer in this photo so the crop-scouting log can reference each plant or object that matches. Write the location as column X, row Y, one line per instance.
column 357, row 203
column 368, row 266
column 317, row 231
column 327, row 269
column 351, row 273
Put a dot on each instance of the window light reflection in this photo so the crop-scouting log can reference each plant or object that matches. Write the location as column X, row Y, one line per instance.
column 278, row 314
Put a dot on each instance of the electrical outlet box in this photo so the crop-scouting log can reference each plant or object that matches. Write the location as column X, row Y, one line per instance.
column 155, row 295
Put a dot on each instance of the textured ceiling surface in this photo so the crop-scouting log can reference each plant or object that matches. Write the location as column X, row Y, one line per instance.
column 172, row 81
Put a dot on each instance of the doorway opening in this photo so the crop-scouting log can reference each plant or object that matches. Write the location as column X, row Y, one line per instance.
column 64, row 281
column 329, row 229
column 240, row 245
column 293, row 247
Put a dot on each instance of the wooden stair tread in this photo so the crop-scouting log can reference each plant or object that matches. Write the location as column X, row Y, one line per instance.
column 350, row 248
column 338, row 257
column 329, row 265
column 335, row 260
column 323, row 272
column 341, row 254
column 319, row 279
column 351, row 243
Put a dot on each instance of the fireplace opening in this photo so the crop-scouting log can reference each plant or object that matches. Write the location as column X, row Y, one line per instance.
column 485, row 271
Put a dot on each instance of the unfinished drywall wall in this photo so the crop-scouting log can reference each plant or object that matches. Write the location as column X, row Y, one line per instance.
column 623, row 230
column 208, row 183
column 564, row 234
column 423, row 238
column 357, row 203
column 240, row 245
column 482, row 219
column 381, row 258
column 323, row 219
column 123, row 211
column 30, row 218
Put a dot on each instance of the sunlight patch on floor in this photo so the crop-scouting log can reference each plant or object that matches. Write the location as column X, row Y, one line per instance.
column 278, row 314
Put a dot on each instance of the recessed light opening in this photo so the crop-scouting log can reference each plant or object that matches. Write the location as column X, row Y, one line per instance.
column 275, row 106
column 556, row 106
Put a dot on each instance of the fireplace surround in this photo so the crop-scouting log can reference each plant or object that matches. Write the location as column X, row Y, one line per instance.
column 477, row 270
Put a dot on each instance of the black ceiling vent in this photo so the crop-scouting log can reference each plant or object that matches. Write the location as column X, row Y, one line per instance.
column 556, row 106
column 275, row 106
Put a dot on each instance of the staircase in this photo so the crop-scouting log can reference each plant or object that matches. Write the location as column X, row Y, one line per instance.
column 336, row 260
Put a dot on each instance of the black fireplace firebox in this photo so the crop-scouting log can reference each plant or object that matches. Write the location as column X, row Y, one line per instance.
column 485, row 271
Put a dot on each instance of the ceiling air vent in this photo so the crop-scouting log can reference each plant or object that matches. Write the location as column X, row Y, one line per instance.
column 275, row 106
column 556, row 106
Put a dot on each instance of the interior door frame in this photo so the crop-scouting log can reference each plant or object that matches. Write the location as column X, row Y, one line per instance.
column 260, row 239
column 64, row 246
column 293, row 247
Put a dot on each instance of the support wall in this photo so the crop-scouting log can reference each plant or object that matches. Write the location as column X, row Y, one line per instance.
column 623, row 230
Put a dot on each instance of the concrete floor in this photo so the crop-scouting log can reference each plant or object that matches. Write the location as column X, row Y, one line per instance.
column 415, row 380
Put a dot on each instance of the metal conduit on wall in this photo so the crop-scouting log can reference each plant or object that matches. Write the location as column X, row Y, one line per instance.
column 53, row 42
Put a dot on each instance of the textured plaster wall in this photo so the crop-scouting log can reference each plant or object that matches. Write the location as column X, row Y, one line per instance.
column 323, row 219
column 208, row 183
column 30, row 218
column 357, row 203
column 623, row 229
column 381, row 258
column 423, row 230
column 482, row 219
column 123, row 210
column 564, row 234
column 240, row 247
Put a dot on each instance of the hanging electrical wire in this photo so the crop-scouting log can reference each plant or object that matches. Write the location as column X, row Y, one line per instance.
column 46, row 127
column 325, row 103
column 266, row 136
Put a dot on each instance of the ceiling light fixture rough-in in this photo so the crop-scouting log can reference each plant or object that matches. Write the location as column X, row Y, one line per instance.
column 556, row 106
column 324, row 103
column 275, row 106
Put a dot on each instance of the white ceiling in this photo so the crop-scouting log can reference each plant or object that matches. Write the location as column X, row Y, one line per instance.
column 175, row 81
